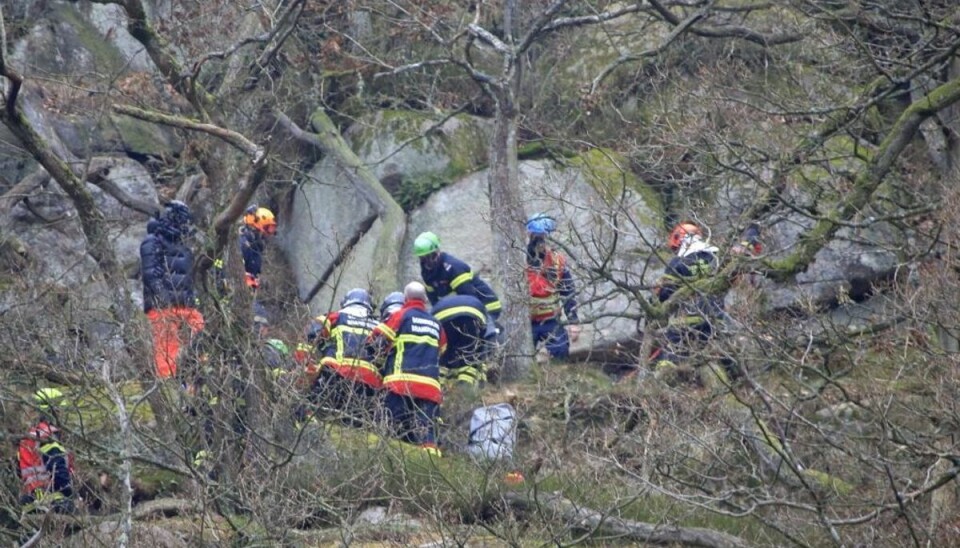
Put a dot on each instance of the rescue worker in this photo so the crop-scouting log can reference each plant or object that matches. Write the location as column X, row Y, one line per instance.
column 411, row 342
column 166, row 267
column 345, row 379
column 551, row 290
column 259, row 224
column 443, row 274
column 391, row 304
column 276, row 356
column 695, row 259
column 46, row 468
column 465, row 323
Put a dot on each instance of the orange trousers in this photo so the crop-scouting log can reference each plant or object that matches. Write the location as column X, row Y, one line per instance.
column 167, row 326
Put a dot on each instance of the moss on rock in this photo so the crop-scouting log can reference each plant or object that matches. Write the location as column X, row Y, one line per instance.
column 609, row 174
column 139, row 137
column 106, row 57
column 421, row 152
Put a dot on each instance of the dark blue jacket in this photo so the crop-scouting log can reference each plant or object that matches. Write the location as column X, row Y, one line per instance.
column 412, row 340
column 451, row 275
column 341, row 340
column 464, row 320
column 166, row 267
column 252, row 244
column 685, row 270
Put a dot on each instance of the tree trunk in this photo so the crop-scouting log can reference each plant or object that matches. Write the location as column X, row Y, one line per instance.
column 506, row 211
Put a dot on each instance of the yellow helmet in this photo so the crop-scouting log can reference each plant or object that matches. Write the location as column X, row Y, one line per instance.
column 261, row 219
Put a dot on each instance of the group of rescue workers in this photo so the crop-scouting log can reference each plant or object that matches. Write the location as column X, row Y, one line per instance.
column 360, row 368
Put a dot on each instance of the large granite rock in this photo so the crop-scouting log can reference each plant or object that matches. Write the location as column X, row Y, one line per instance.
column 86, row 45
column 328, row 214
column 600, row 211
column 60, row 275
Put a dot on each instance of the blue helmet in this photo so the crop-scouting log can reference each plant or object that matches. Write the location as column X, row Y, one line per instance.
column 541, row 224
column 391, row 304
column 357, row 296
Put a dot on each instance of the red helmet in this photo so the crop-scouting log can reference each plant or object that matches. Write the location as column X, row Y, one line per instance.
column 680, row 232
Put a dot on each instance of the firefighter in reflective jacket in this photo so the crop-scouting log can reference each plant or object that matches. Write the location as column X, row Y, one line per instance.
column 465, row 323
column 411, row 340
column 345, row 381
column 551, row 290
column 46, row 468
column 692, row 323
column 444, row 274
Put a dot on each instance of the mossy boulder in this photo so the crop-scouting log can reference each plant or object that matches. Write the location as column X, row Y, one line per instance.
column 138, row 138
column 64, row 42
column 415, row 153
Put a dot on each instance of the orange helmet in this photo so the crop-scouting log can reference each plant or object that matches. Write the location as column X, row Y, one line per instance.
column 261, row 219
column 680, row 232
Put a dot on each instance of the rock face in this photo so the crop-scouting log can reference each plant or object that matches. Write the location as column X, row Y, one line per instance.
column 848, row 266
column 59, row 265
column 78, row 42
column 328, row 215
column 596, row 214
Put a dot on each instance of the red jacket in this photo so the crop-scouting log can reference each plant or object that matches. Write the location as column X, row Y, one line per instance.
column 551, row 288
column 44, row 462
column 412, row 341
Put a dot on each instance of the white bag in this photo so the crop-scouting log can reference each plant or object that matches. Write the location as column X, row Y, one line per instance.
column 493, row 432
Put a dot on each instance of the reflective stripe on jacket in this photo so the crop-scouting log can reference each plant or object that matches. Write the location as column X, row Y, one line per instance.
column 412, row 341
column 464, row 321
column 451, row 275
column 44, row 462
column 551, row 289
column 342, row 342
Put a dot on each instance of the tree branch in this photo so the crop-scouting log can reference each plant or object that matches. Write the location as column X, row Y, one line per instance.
column 100, row 176
column 23, row 190
column 579, row 516
column 283, row 29
column 486, row 36
column 867, row 181
column 237, row 140
column 729, row 31
column 678, row 29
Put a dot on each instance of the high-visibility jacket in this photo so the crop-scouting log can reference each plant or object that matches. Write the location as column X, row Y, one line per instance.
column 341, row 340
column 698, row 262
column 412, row 340
column 45, row 466
column 451, row 275
column 551, row 288
column 464, row 321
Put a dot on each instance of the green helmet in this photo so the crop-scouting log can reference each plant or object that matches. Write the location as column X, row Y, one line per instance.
column 47, row 398
column 425, row 244
column 279, row 346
